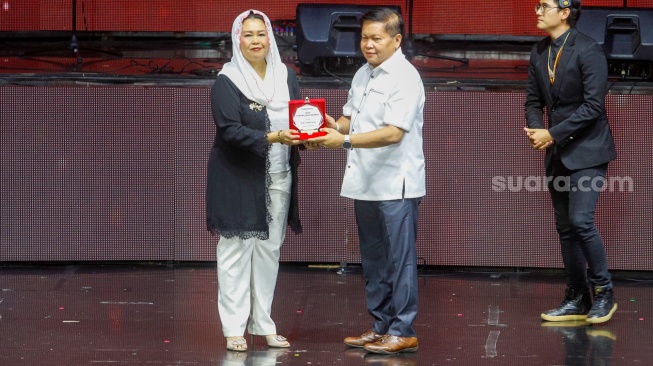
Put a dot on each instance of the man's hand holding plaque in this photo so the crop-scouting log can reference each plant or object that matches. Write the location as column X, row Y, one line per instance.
column 307, row 117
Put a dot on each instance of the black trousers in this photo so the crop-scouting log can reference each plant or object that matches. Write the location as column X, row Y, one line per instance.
column 575, row 194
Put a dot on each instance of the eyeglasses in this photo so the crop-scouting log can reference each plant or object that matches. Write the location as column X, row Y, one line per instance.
column 544, row 8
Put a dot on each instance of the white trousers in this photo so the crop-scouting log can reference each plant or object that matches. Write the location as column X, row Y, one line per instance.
column 247, row 270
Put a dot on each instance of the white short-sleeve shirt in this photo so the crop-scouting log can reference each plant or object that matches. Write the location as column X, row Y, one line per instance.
column 390, row 94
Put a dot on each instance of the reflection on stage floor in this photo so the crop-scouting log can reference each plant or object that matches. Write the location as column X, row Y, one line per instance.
column 166, row 314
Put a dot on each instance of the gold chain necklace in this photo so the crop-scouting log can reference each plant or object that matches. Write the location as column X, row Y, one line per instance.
column 552, row 73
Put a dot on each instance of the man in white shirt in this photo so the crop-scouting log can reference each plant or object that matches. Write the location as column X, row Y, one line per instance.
column 381, row 128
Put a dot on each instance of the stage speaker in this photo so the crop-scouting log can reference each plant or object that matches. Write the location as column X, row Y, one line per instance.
column 626, row 35
column 328, row 38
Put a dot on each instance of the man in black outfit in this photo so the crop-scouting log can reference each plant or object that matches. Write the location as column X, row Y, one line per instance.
column 568, row 76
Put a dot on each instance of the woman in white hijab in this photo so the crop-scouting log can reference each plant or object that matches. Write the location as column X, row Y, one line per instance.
column 251, row 191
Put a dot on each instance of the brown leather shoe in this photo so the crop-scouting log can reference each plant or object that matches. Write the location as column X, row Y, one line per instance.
column 365, row 338
column 391, row 344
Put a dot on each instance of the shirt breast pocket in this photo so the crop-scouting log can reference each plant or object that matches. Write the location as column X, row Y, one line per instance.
column 374, row 105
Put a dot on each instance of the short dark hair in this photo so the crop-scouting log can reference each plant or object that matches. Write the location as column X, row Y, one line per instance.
column 574, row 14
column 394, row 23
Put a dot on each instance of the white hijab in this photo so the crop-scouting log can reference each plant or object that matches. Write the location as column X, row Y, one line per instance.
column 271, row 92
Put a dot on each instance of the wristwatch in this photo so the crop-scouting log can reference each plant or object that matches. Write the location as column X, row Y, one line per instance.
column 347, row 143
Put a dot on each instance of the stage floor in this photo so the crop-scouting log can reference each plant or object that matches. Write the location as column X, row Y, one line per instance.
column 158, row 314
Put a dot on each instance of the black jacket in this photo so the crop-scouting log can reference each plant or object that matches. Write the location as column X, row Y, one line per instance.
column 237, row 169
column 575, row 103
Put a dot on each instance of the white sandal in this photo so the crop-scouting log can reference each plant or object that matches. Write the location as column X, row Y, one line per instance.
column 277, row 341
column 237, row 344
